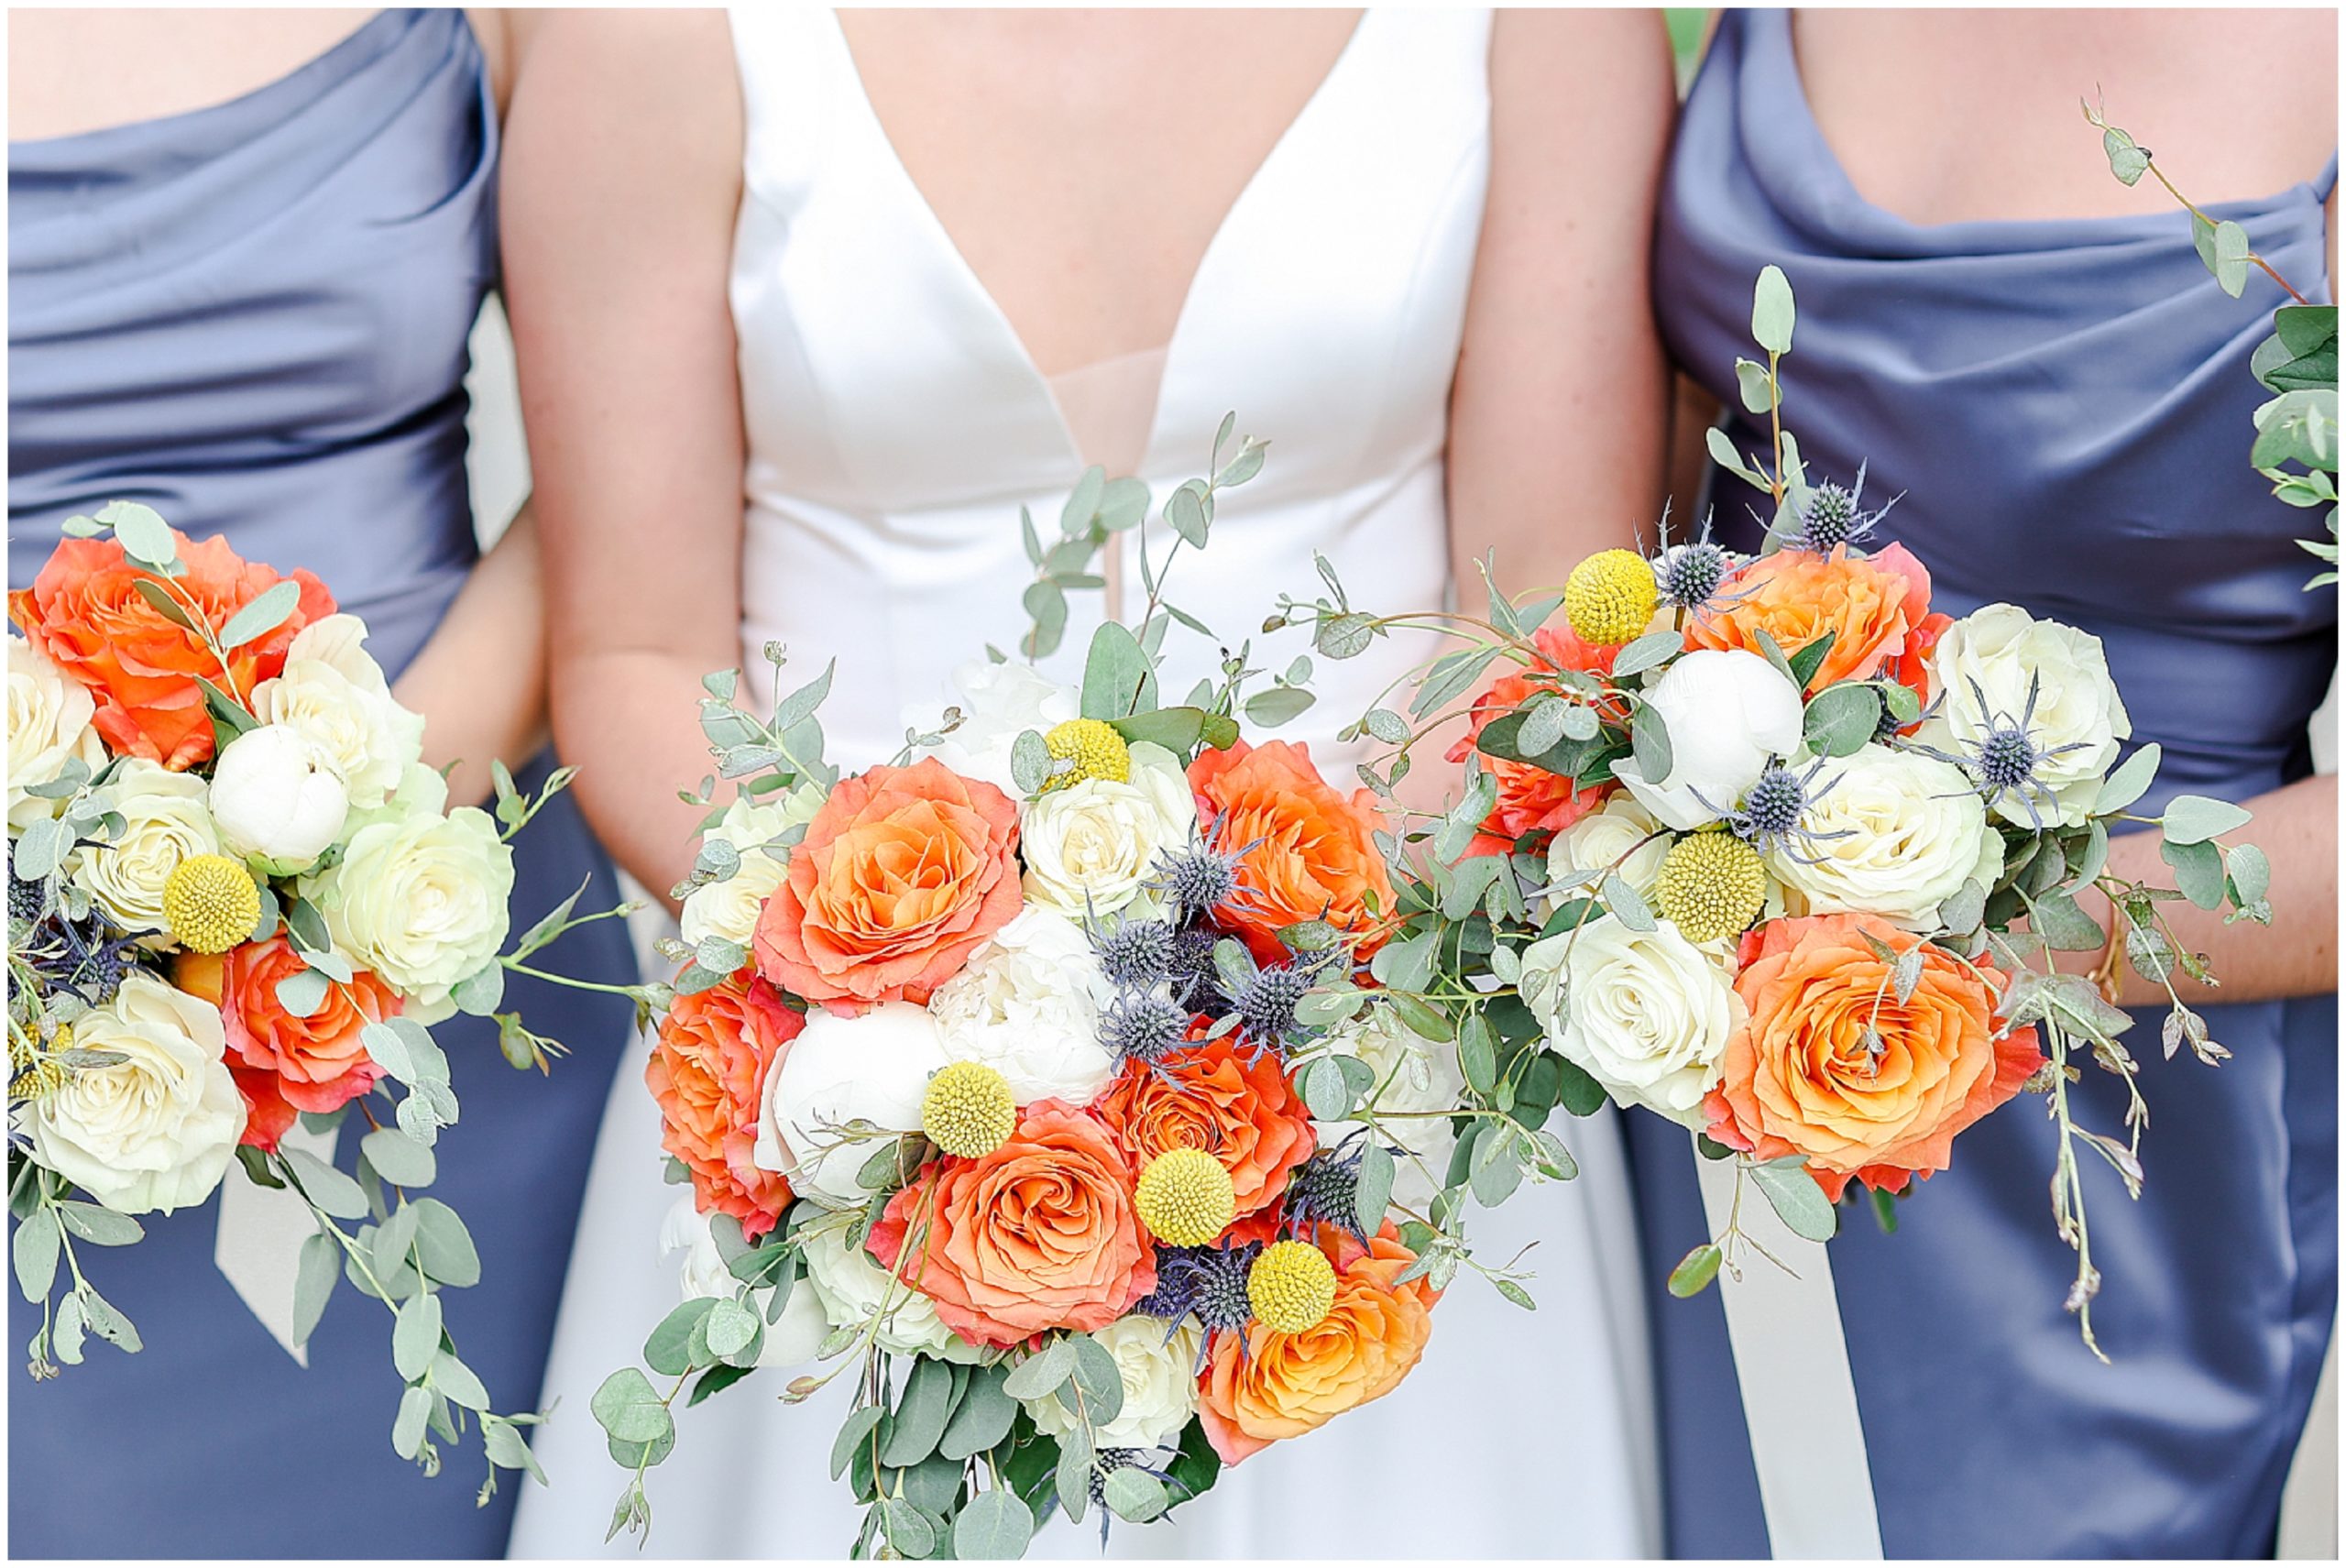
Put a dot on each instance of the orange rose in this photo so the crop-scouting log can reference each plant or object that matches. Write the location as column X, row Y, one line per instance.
column 1799, row 1079
column 86, row 612
column 1313, row 855
column 1531, row 800
column 318, row 1062
column 1038, row 1234
column 1277, row 1384
column 900, row 877
column 1877, row 609
column 1208, row 1097
column 708, row 1072
column 269, row 1116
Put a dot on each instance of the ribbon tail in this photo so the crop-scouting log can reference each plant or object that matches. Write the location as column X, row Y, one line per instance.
column 1799, row 1402
column 261, row 1233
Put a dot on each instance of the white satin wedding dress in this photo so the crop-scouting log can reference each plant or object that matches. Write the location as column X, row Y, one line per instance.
column 895, row 425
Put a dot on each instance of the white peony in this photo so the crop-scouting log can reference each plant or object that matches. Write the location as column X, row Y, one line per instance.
column 1647, row 1013
column 729, row 909
column 166, row 819
column 1160, row 1373
column 276, row 797
column 1027, row 1004
column 792, row 1339
column 1895, row 834
column 998, row 702
column 1728, row 714
column 873, row 1067
column 420, row 899
column 1594, row 843
column 1994, row 653
column 49, row 725
column 154, row 1130
column 1413, row 1074
column 853, row 1288
column 1091, row 844
column 333, row 692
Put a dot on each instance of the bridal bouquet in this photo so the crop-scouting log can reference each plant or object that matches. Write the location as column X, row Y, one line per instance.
column 1034, row 1079
column 235, row 900
column 1771, row 847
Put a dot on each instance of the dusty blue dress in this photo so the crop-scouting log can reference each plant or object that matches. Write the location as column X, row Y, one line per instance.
column 2066, row 405
column 253, row 318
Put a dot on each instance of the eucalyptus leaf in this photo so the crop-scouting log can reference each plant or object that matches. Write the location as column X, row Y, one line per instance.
column 2194, row 818
column 317, row 1268
column 1771, row 311
column 397, row 1158
column 262, row 614
column 993, row 1527
column 415, row 1335
column 1792, row 1192
column 629, row 1408
column 1756, row 387
column 2128, row 781
column 1840, row 719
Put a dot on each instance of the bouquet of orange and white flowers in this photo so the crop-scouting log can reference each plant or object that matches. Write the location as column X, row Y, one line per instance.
column 236, row 899
column 1034, row 1079
column 1770, row 847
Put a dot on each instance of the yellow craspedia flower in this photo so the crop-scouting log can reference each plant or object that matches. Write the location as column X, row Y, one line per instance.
column 210, row 903
column 1610, row 596
column 33, row 1073
column 968, row 1109
column 1095, row 748
column 1184, row 1198
column 1710, row 886
column 1291, row 1286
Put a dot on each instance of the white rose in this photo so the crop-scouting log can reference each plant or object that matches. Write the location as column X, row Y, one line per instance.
column 874, row 1068
column 1594, row 843
column 275, row 795
column 792, row 1339
column 1994, row 653
column 1895, row 834
column 49, row 725
column 420, row 899
column 729, row 909
column 1728, row 713
column 1413, row 1074
column 1091, row 844
column 334, row 692
column 999, row 701
column 154, row 1130
column 1647, row 1013
column 852, row 1287
column 1027, row 1004
column 165, row 821
column 1159, row 1372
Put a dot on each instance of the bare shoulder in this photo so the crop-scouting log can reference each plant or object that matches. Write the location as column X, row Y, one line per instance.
column 651, row 90
column 1601, row 78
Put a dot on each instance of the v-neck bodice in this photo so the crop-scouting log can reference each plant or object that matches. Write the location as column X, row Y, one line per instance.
column 895, row 423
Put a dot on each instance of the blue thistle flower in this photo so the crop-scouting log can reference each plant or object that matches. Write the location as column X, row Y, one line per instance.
column 2005, row 759
column 1137, row 955
column 1142, row 1025
column 1196, row 879
column 1769, row 819
column 1325, row 1191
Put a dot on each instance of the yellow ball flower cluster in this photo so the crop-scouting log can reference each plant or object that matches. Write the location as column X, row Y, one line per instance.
column 211, row 903
column 1610, row 596
column 1291, row 1286
column 1095, row 748
column 968, row 1111
column 1711, row 885
column 1184, row 1198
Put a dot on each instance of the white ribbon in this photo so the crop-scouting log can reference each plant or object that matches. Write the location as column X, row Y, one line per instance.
column 261, row 1233
column 1800, row 1403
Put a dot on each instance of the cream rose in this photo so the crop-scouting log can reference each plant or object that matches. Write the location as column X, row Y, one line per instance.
column 1090, row 845
column 998, row 702
column 1647, row 1013
column 1727, row 713
column 1159, row 1374
column 276, row 797
column 1895, row 834
column 792, row 1339
column 1583, row 851
column 1994, row 655
column 872, row 1068
column 154, row 1130
column 1413, row 1074
column 49, row 725
column 1028, row 1006
column 333, row 692
column 729, row 909
column 854, row 1288
column 420, row 899
column 166, row 819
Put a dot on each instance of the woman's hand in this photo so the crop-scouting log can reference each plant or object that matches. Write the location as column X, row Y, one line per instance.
column 622, row 173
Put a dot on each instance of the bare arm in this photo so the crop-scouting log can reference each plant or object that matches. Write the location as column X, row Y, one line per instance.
column 622, row 171
column 1557, row 415
column 480, row 681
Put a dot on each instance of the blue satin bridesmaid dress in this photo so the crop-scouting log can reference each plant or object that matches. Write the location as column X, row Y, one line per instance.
column 253, row 318
column 2065, row 407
